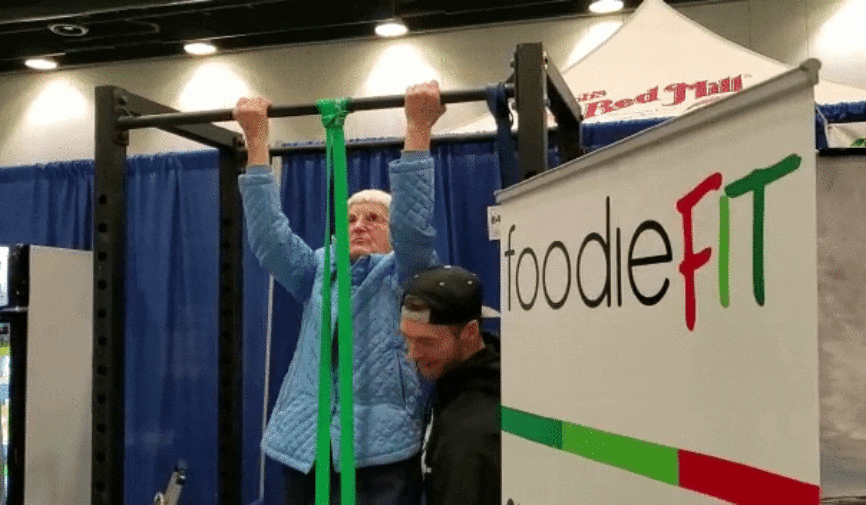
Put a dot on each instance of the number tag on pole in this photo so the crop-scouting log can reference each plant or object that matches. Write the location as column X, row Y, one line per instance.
column 493, row 220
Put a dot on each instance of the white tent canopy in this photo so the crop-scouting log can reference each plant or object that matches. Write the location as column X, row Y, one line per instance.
column 662, row 64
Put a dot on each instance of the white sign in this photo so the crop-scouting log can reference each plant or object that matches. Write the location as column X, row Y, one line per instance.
column 846, row 134
column 494, row 218
column 659, row 302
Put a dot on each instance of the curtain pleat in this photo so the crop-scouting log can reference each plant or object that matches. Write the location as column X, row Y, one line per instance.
column 171, row 308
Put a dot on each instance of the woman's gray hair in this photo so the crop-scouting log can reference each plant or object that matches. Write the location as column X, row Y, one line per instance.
column 371, row 196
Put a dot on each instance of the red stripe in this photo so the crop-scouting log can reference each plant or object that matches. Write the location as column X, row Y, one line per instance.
column 741, row 484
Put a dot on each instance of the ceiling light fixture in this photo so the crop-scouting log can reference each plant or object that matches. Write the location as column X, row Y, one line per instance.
column 391, row 28
column 41, row 63
column 200, row 48
column 605, row 6
column 68, row 29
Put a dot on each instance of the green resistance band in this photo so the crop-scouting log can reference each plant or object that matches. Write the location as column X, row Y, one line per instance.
column 333, row 116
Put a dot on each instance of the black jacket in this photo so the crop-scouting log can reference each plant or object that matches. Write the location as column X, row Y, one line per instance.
column 463, row 455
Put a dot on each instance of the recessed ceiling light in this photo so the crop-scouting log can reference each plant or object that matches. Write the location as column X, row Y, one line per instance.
column 68, row 29
column 391, row 28
column 605, row 6
column 200, row 48
column 41, row 63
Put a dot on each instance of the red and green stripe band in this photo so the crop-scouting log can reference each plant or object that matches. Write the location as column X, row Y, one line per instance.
column 709, row 475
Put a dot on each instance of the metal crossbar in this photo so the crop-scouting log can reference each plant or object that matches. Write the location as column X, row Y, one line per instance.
column 354, row 105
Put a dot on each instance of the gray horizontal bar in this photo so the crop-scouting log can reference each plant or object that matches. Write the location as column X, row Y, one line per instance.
column 354, row 104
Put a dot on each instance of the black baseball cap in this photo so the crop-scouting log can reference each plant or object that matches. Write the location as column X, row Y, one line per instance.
column 452, row 293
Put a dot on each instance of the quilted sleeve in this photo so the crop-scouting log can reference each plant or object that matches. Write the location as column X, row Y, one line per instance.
column 412, row 234
column 277, row 248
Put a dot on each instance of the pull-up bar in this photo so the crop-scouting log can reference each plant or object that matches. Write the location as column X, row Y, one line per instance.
column 354, row 104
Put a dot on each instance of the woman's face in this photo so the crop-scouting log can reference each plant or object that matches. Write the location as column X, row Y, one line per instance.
column 368, row 230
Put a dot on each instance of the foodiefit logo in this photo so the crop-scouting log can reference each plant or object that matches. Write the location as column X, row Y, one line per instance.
column 534, row 268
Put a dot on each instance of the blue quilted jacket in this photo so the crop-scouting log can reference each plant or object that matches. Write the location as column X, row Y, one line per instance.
column 388, row 409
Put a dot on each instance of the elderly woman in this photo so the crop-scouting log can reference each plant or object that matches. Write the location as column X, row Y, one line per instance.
column 391, row 238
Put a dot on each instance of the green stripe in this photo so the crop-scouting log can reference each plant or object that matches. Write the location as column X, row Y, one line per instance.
column 323, row 432
column 323, row 435
column 333, row 115
column 724, row 250
column 538, row 429
column 653, row 461
column 344, row 288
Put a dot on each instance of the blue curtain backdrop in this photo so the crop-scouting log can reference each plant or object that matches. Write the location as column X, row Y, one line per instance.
column 172, row 287
column 598, row 135
column 171, row 290
column 172, row 282
column 49, row 204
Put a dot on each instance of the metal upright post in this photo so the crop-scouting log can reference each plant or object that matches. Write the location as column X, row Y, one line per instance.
column 15, row 317
column 567, row 112
column 530, row 92
column 113, row 107
column 109, row 321
column 230, row 386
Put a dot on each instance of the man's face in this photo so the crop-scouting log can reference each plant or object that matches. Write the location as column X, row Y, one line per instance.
column 368, row 230
column 434, row 348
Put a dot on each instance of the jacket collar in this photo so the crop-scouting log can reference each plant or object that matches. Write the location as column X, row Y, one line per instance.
column 360, row 268
column 482, row 372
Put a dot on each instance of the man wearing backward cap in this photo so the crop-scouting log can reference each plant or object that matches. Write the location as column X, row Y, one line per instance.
column 440, row 323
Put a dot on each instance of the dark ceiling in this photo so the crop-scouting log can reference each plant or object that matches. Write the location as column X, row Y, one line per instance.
column 119, row 30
